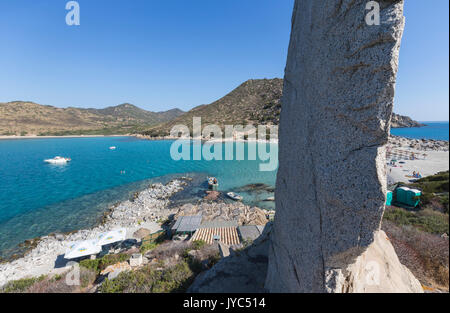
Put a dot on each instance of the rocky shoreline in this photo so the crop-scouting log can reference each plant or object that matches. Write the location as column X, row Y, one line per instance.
column 147, row 209
column 150, row 206
column 401, row 121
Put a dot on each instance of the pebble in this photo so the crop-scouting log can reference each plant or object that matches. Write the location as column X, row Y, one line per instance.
column 419, row 144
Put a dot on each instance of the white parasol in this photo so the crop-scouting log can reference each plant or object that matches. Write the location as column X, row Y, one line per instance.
column 83, row 248
column 111, row 236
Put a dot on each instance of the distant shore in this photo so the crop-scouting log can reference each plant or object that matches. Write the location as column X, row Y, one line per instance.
column 210, row 140
column 151, row 205
column 439, row 143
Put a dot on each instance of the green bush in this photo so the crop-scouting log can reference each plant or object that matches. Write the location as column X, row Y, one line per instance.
column 100, row 264
column 57, row 277
column 438, row 183
column 147, row 246
column 442, row 176
column 151, row 242
column 90, row 264
column 175, row 279
column 198, row 244
column 426, row 220
column 87, row 277
column 434, row 188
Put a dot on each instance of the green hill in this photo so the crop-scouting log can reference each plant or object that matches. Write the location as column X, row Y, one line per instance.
column 256, row 102
column 29, row 118
column 253, row 102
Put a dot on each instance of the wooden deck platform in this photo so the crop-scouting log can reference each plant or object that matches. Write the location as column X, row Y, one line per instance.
column 228, row 235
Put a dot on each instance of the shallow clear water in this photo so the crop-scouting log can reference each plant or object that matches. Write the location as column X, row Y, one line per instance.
column 432, row 130
column 37, row 198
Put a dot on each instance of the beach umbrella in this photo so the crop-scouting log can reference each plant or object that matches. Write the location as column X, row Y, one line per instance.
column 83, row 248
column 111, row 236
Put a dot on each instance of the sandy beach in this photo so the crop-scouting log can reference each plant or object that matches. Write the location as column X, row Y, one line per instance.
column 436, row 161
column 429, row 158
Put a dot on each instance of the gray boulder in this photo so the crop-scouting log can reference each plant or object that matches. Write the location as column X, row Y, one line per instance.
column 335, row 121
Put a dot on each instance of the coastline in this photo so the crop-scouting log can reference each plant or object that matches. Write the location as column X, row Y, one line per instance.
column 147, row 209
column 150, row 206
column 45, row 256
column 219, row 140
column 393, row 138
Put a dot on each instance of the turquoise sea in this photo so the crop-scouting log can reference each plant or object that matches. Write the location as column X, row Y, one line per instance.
column 37, row 199
column 432, row 130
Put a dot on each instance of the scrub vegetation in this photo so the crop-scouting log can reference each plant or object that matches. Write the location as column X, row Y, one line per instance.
column 420, row 237
column 171, row 268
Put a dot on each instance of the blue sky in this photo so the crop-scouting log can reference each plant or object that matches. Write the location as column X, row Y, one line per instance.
column 161, row 54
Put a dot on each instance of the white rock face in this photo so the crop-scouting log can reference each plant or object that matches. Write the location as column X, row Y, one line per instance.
column 377, row 270
column 331, row 185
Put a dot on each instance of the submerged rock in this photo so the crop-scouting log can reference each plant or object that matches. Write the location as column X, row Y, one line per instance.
column 259, row 187
column 212, row 195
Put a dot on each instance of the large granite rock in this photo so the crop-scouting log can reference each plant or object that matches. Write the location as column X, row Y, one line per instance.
column 335, row 120
column 378, row 269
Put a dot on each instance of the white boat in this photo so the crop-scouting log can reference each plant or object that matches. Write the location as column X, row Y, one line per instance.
column 112, row 148
column 58, row 160
column 234, row 196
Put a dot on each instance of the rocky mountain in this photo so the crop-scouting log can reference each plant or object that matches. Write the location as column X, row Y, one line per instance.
column 401, row 121
column 256, row 101
column 29, row 118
